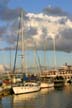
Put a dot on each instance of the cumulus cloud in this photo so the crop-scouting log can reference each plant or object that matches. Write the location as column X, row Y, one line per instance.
column 49, row 27
column 42, row 28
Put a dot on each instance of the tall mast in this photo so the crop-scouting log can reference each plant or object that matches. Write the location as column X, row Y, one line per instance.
column 14, row 67
column 10, row 59
column 54, row 47
column 35, row 62
column 45, row 61
column 22, row 43
column 20, row 33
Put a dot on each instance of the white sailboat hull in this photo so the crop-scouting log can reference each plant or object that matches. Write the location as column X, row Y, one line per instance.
column 25, row 89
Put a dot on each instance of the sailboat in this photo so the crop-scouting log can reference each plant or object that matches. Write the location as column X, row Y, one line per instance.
column 25, row 86
column 59, row 81
column 45, row 81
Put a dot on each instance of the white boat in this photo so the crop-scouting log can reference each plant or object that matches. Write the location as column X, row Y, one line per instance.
column 46, row 85
column 27, row 87
column 46, row 82
column 23, row 87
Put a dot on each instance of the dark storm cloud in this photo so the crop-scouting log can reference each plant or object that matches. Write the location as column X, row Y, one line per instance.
column 2, row 30
column 8, row 48
column 8, row 14
column 54, row 11
column 67, row 34
column 6, row 36
column 4, row 2
column 10, row 39
column 62, row 21
column 64, row 43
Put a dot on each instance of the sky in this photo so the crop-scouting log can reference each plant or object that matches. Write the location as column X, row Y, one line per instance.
column 47, row 26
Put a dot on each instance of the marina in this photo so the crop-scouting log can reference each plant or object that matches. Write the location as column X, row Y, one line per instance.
column 27, row 84
column 35, row 54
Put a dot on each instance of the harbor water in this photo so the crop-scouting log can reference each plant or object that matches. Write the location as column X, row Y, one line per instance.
column 46, row 98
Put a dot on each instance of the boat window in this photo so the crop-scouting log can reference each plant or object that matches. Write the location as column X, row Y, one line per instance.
column 26, row 84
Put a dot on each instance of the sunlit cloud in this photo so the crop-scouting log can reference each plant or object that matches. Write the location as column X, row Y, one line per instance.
column 41, row 29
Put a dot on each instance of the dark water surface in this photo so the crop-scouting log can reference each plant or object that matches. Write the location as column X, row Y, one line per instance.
column 46, row 98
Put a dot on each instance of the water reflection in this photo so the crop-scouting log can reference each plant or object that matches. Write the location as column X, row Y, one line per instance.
column 25, row 97
column 6, row 102
column 68, row 89
column 25, row 100
column 46, row 98
column 46, row 90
